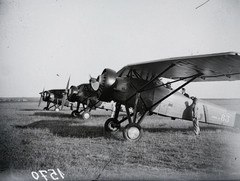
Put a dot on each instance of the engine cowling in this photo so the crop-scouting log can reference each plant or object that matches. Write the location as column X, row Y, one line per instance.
column 73, row 91
column 46, row 96
column 105, row 88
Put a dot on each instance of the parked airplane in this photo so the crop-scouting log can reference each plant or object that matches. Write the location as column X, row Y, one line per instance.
column 85, row 95
column 56, row 97
column 137, row 86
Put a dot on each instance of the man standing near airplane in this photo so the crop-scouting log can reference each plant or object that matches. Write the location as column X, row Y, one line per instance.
column 195, row 120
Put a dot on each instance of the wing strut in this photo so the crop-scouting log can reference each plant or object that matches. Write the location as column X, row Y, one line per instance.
column 171, row 93
column 152, row 80
column 148, row 110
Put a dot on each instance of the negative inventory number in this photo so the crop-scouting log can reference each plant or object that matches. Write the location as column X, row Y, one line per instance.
column 50, row 173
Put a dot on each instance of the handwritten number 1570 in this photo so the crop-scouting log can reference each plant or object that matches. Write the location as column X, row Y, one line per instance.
column 44, row 173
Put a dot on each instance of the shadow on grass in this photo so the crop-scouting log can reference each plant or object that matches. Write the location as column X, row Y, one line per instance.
column 65, row 115
column 188, row 129
column 53, row 114
column 28, row 109
column 74, row 128
column 100, row 116
column 67, row 128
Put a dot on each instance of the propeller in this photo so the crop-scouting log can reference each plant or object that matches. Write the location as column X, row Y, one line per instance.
column 94, row 82
column 72, row 93
column 65, row 93
column 41, row 94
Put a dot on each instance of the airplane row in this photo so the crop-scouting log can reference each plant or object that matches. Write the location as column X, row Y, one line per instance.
column 82, row 94
column 139, row 90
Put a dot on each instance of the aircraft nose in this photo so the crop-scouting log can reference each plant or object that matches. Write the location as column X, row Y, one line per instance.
column 73, row 91
column 46, row 96
column 104, row 84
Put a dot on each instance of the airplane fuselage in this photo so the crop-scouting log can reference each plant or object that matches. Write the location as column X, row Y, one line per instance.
column 179, row 106
column 176, row 106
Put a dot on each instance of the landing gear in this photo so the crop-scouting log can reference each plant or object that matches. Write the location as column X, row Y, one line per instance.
column 111, row 125
column 48, row 107
column 86, row 115
column 132, row 132
column 75, row 113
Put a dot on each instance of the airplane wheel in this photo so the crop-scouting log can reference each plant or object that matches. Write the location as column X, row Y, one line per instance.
column 75, row 113
column 111, row 125
column 132, row 132
column 57, row 109
column 86, row 115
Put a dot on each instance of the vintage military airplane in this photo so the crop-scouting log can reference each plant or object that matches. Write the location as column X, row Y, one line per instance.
column 85, row 95
column 137, row 86
column 56, row 97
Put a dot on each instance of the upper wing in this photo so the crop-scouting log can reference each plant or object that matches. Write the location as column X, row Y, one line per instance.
column 58, row 93
column 213, row 67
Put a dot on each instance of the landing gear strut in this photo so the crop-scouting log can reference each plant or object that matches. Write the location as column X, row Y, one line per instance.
column 75, row 113
column 85, row 113
column 132, row 132
column 48, row 107
column 111, row 125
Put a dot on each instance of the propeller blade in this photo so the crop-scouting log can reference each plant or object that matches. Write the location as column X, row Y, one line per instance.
column 63, row 100
column 65, row 93
column 67, row 84
column 40, row 100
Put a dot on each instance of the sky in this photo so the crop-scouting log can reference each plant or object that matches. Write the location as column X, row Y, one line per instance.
column 44, row 42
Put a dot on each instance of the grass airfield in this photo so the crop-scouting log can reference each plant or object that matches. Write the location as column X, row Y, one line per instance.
column 32, row 139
